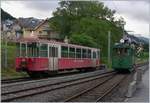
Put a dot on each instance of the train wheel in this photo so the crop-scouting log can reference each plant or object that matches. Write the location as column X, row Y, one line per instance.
column 44, row 74
column 81, row 70
column 34, row 74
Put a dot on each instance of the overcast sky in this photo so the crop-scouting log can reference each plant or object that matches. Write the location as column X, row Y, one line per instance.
column 135, row 13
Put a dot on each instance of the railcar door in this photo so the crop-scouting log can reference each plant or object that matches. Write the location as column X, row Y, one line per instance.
column 53, row 57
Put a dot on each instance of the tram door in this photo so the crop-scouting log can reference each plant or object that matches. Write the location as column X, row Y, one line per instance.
column 53, row 57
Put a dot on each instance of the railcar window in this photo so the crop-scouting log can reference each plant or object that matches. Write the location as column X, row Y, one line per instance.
column 89, row 53
column 94, row 54
column 44, row 50
column 64, row 51
column 84, row 53
column 29, row 49
column 118, row 51
column 17, row 49
column 23, row 50
column 126, row 51
column 32, row 50
column 50, row 51
column 115, row 51
column 78, row 53
column 72, row 52
column 53, row 52
column 98, row 54
column 37, row 50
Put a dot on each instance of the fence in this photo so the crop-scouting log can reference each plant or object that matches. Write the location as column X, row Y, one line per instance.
column 8, row 54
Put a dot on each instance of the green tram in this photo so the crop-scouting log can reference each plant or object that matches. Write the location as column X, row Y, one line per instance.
column 123, row 57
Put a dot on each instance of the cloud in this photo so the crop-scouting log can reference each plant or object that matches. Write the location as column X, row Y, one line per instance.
column 41, row 5
column 136, row 9
column 39, row 9
column 136, row 13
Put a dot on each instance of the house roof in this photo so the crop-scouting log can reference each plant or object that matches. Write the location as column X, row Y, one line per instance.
column 43, row 22
column 29, row 23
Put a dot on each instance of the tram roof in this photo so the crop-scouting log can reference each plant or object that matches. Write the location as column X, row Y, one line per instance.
column 26, row 40
column 121, row 45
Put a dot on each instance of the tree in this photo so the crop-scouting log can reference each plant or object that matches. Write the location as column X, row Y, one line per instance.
column 70, row 11
column 5, row 15
column 86, row 23
column 83, row 39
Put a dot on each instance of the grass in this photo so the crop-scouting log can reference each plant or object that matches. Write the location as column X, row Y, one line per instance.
column 104, row 60
column 11, row 54
column 143, row 58
column 9, row 72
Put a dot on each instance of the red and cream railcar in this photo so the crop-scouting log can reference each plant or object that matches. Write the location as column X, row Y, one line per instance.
column 35, row 55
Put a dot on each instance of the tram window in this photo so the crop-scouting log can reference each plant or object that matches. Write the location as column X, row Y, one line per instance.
column 126, row 51
column 44, row 50
column 89, row 53
column 72, row 52
column 98, row 54
column 53, row 52
column 64, row 51
column 56, row 52
column 78, row 53
column 29, row 49
column 17, row 49
column 94, row 54
column 36, row 50
column 118, row 51
column 84, row 53
column 32, row 50
column 23, row 50
column 50, row 52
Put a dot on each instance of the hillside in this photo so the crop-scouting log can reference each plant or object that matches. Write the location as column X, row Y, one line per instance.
column 5, row 16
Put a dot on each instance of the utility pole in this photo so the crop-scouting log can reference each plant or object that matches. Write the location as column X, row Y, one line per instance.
column 5, row 65
column 109, row 36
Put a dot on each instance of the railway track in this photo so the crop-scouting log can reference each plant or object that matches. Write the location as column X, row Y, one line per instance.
column 104, row 87
column 97, row 92
column 24, row 79
column 17, row 94
column 13, row 80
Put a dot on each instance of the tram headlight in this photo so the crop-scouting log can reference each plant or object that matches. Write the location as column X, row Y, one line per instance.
column 23, row 60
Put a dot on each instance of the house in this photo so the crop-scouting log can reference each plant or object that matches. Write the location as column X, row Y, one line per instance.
column 39, row 28
column 28, row 25
column 10, row 29
column 43, row 31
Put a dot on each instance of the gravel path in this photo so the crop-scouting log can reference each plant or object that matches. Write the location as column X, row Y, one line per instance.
column 60, row 94
column 52, row 81
column 36, row 83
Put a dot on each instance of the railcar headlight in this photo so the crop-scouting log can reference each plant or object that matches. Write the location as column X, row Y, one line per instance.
column 23, row 60
column 122, row 41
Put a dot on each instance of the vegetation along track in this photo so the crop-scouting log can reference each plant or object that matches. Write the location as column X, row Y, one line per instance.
column 17, row 94
column 141, row 64
column 97, row 92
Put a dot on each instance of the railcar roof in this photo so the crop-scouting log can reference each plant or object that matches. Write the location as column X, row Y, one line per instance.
column 120, row 45
column 51, row 41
